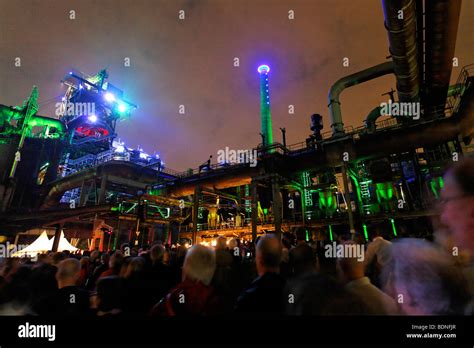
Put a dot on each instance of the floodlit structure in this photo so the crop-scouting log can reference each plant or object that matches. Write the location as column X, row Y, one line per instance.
column 387, row 171
column 265, row 114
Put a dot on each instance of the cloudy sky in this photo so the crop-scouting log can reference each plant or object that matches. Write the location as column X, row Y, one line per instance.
column 190, row 62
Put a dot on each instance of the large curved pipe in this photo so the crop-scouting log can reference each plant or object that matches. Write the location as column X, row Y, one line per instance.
column 372, row 118
column 400, row 23
column 442, row 18
column 125, row 170
column 430, row 133
column 362, row 76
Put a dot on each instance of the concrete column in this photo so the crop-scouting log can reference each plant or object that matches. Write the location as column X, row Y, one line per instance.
column 254, row 216
column 276, row 206
column 85, row 189
column 197, row 194
column 102, row 192
column 57, row 236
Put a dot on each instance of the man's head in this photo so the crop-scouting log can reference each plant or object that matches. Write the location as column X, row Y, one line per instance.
column 116, row 261
column 199, row 264
column 221, row 243
column 425, row 278
column 457, row 203
column 350, row 268
column 157, row 252
column 233, row 244
column 58, row 257
column 300, row 234
column 268, row 255
column 68, row 272
column 109, row 294
column 94, row 255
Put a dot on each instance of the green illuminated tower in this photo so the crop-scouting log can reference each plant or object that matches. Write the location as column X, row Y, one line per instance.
column 265, row 114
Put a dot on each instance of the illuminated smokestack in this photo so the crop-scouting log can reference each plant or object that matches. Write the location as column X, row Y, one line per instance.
column 265, row 115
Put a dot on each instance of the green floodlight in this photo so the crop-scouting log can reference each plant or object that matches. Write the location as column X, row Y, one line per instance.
column 366, row 235
column 394, row 229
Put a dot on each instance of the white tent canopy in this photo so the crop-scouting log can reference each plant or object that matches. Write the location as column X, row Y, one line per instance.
column 41, row 244
column 64, row 244
column 44, row 244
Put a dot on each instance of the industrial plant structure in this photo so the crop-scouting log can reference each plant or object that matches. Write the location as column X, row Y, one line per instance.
column 72, row 174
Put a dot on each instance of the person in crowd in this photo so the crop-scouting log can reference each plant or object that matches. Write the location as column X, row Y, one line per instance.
column 57, row 258
column 319, row 294
column 115, row 265
column 160, row 274
column 167, row 257
column 107, row 301
column 43, row 286
column 223, row 280
column 302, row 256
column 457, row 203
column 223, row 257
column 378, row 250
column 17, row 294
column 378, row 254
column 324, row 264
column 264, row 295
column 69, row 300
column 235, row 251
column 424, row 279
column 102, row 266
column 137, row 288
column 94, row 262
column 84, row 261
column 285, row 267
column 351, row 274
column 457, row 215
column 194, row 295
column 236, row 279
column 177, row 255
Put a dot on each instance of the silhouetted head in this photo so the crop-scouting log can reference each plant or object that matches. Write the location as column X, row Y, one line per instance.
column 268, row 254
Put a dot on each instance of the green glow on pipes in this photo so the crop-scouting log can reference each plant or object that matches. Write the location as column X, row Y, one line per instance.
column 441, row 182
column 384, row 191
column 436, row 184
column 307, row 236
column 163, row 215
column 366, row 235
column 393, row 227
column 358, row 192
column 330, row 233
column 327, row 202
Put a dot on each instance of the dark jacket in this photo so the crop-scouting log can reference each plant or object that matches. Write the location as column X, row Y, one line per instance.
column 70, row 302
column 263, row 296
column 188, row 298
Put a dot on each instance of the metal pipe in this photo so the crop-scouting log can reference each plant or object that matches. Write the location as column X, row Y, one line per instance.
column 401, row 25
column 442, row 19
column 371, row 118
column 427, row 134
column 133, row 173
column 362, row 76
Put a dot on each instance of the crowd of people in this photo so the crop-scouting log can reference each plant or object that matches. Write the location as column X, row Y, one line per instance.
column 288, row 275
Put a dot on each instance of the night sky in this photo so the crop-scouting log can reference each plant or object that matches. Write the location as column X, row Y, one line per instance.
column 191, row 62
